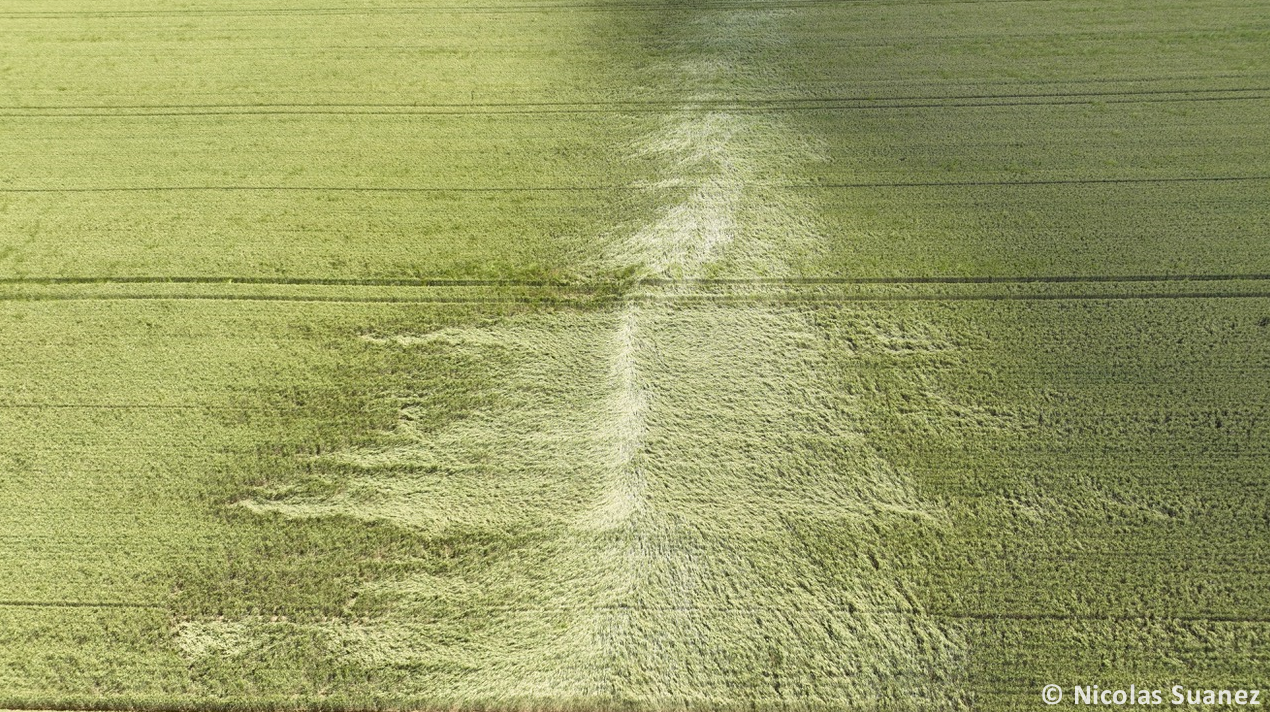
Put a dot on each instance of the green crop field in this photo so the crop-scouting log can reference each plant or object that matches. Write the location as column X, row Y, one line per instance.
column 642, row 355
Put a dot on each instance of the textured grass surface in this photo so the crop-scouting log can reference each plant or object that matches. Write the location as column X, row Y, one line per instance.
column 650, row 504
column 875, row 480
column 668, row 565
column 348, row 141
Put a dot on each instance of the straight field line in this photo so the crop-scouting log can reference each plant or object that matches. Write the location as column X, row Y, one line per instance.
column 735, row 107
column 652, row 282
column 745, row 610
column 493, row 9
column 78, row 604
column 104, row 406
column 687, row 299
column 661, row 104
column 636, row 187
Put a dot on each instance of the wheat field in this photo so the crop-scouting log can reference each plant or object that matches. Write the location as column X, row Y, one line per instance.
column 642, row 355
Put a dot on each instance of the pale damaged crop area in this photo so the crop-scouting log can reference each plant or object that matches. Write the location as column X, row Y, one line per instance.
column 666, row 459
column 641, row 356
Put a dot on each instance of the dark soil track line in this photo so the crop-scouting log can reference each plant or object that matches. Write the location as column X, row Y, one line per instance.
column 661, row 104
column 844, row 299
column 1088, row 80
column 744, row 610
column 297, row 281
column 558, row 287
column 1024, row 183
column 405, row 10
column 1091, row 36
column 103, row 406
column 321, row 189
column 78, row 604
column 493, row 9
column 1059, row 617
column 795, row 46
column 282, row 298
column 583, row 287
column 632, row 188
column 734, row 108
column 614, row 300
column 654, row 282
column 1008, row 279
